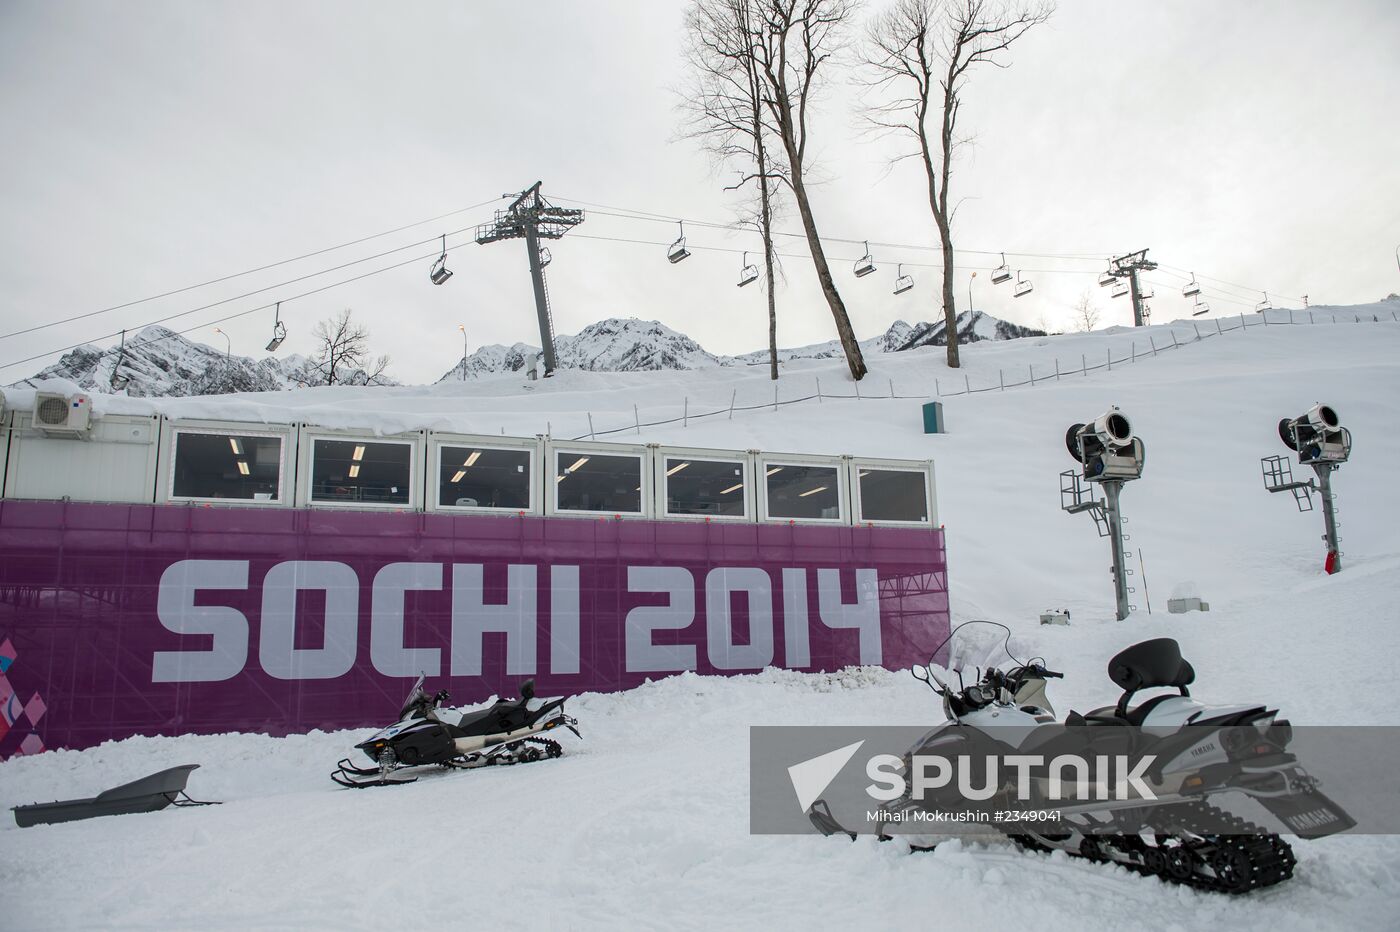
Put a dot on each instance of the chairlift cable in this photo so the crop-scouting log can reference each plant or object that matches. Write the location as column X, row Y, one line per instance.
column 233, row 316
column 261, row 268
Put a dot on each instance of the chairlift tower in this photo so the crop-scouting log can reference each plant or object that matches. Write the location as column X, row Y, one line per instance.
column 1108, row 455
column 532, row 218
column 1128, row 267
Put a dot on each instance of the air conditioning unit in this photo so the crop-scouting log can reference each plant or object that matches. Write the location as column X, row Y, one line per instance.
column 55, row 413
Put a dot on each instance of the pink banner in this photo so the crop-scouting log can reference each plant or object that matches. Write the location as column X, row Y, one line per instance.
column 118, row 620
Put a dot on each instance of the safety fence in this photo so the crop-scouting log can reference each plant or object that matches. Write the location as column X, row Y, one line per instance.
column 1031, row 375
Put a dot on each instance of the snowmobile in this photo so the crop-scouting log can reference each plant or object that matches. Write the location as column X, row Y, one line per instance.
column 1198, row 753
column 507, row 732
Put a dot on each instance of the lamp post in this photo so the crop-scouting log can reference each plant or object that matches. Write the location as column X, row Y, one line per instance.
column 969, row 292
column 464, row 351
column 228, row 351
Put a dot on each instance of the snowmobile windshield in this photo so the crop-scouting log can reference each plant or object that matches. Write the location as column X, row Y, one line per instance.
column 415, row 696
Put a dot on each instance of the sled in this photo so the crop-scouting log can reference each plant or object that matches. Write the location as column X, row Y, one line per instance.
column 148, row 794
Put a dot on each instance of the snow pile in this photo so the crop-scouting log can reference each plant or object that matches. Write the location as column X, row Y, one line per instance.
column 645, row 822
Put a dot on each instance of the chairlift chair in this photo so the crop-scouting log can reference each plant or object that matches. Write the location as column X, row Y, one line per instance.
column 902, row 282
column 1023, row 286
column 1001, row 273
column 865, row 264
column 440, row 272
column 279, row 329
column 677, row 251
column 748, row 274
column 1106, row 279
column 1191, row 288
column 1264, row 305
column 1119, row 290
column 545, row 257
column 1200, row 307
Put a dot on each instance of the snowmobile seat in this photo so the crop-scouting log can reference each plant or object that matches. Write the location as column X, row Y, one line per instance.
column 1148, row 665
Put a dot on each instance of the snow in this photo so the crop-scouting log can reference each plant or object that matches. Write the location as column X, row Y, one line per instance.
column 644, row 823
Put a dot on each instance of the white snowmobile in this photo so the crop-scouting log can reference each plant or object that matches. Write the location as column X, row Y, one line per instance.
column 507, row 732
column 1198, row 752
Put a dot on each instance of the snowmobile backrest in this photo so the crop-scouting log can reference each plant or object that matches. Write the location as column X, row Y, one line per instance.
column 1150, row 664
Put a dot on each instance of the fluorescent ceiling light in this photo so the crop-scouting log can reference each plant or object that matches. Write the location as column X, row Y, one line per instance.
column 237, row 447
column 359, row 453
column 476, row 454
column 773, row 470
column 577, row 463
column 354, row 470
column 820, row 488
column 738, row 485
column 460, row 474
column 243, row 467
column 677, row 468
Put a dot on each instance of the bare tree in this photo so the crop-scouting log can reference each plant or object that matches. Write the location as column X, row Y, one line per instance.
column 1086, row 312
column 920, row 53
column 342, row 353
column 793, row 43
column 725, row 110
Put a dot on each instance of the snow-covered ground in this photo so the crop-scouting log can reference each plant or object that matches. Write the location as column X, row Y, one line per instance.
column 645, row 822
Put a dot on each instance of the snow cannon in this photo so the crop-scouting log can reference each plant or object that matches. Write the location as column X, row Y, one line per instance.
column 1106, row 448
column 1317, row 436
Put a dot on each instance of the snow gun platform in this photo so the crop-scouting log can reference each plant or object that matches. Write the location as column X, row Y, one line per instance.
column 148, row 794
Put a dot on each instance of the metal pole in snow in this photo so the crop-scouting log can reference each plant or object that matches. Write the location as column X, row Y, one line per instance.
column 1154, row 344
column 891, row 388
column 1083, row 365
column 967, row 384
column 636, row 416
column 1217, row 326
column 775, row 396
column 1134, row 350
column 1109, row 354
column 937, row 388
column 685, row 412
column 590, row 426
column 1057, row 368
column 1175, row 345
column 1001, row 381
column 732, row 396
column 1198, row 332
column 1032, row 368
column 819, row 391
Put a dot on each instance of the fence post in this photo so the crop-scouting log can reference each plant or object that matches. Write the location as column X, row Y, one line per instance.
column 1154, row 344
column 685, row 412
column 1031, row 367
column 732, row 396
column 1109, row 354
column 937, row 388
column 1057, row 368
column 891, row 388
column 1134, row 351
column 775, row 396
column 819, row 390
column 967, row 384
column 1290, row 315
column 1310, row 317
column 1243, row 325
column 637, row 417
column 1218, row 331
column 1175, row 345
column 1083, row 365
column 590, row 426
column 1001, row 380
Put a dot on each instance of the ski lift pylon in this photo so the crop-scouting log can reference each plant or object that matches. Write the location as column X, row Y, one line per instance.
column 279, row 329
column 440, row 272
column 748, row 274
column 1001, row 273
column 1023, row 287
column 902, row 282
column 865, row 264
column 677, row 251
column 1191, row 288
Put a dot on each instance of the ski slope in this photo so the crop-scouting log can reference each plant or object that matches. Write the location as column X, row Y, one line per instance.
column 644, row 823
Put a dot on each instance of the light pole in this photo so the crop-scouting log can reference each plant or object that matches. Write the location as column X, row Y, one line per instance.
column 228, row 351
column 969, row 292
column 464, row 351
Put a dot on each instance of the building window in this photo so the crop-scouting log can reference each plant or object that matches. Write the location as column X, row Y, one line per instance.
column 797, row 491
column 598, row 482
column 239, row 467
column 480, row 477
column 361, row 472
column 704, row 487
column 892, row 495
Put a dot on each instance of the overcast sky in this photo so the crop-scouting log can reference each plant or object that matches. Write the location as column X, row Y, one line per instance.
column 149, row 146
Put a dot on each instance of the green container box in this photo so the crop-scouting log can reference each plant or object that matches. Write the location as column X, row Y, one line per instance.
column 933, row 418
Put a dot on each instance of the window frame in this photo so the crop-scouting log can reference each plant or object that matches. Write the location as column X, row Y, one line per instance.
column 432, row 486
column 706, row 455
column 226, row 430
column 922, row 467
column 586, row 448
column 764, row 461
column 307, row 461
